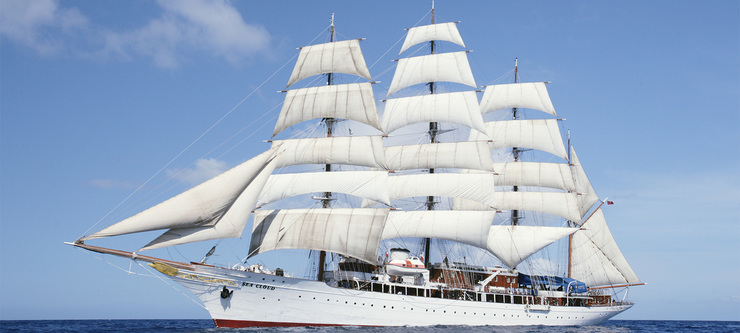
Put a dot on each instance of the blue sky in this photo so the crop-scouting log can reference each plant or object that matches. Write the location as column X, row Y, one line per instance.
column 98, row 96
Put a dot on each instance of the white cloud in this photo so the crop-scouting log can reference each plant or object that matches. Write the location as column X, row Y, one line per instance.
column 211, row 26
column 39, row 24
column 186, row 27
column 203, row 170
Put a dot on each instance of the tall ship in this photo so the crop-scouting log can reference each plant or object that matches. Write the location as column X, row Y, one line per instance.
column 455, row 207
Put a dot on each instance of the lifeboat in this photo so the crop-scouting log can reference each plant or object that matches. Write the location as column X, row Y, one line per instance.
column 401, row 264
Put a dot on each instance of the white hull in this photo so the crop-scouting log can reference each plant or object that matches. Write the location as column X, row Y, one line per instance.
column 269, row 300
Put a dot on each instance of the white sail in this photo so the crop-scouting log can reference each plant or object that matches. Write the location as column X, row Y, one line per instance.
column 458, row 108
column 477, row 187
column 205, row 205
column 555, row 203
column 230, row 225
column 540, row 134
column 447, row 67
column 517, row 95
column 586, row 195
column 352, row 150
column 461, row 155
column 353, row 232
column 336, row 57
column 514, row 243
column 596, row 258
column 552, row 175
column 353, row 101
column 365, row 184
column 467, row 227
column 440, row 31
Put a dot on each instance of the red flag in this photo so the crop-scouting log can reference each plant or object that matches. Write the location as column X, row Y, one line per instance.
column 609, row 202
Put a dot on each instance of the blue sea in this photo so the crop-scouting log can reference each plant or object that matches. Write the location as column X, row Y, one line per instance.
column 620, row 326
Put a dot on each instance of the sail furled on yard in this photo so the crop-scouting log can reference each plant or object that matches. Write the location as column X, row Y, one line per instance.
column 354, row 232
column 352, row 101
column 351, row 150
column 457, row 107
column 365, row 184
column 441, row 67
column 540, row 134
column 596, row 258
column 335, row 57
column 531, row 95
column 460, row 155
column 467, row 227
column 514, row 243
column 217, row 208
column 426, row 33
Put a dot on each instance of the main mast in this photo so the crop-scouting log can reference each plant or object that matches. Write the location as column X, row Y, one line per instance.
column 326, row 201
column 515, row 150
column 433, row 129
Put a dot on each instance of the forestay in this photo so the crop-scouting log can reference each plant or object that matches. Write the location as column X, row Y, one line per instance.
column 441, row 31
column 353, row 101
column 517, row 95
column 596, row 258
column 447, row 67
column 353, row 232
column 514, row 243
column 352, row 150
column 458, row 108
column 461, row 155
column 217, row 208
column 365, row 184
column 336, row 57
column 467, row 227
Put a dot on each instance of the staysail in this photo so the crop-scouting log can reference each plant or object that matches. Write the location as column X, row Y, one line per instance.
column 217, row 208
column 596, row 258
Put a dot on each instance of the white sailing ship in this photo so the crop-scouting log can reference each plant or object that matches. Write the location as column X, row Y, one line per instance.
column 397, row 256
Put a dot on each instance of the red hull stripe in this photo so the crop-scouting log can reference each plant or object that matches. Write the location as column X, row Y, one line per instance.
column 229, row 323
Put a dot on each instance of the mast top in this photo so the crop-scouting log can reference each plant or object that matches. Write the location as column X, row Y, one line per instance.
column 331, row 28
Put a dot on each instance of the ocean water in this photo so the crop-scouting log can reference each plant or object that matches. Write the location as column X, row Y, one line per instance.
column 616, row 326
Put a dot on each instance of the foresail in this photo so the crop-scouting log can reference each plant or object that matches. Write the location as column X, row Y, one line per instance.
column 447, row 67
column 353, row 232
column 205, row 205
column 555, row 203
column 596, row 258
column 467, row 227
column 517, row 95
column 514, row 243
column 336, row 57
column 552, row 175
column 477, row 187
column 540, row 134
column 458, row 108
column 365, row 184
column 351, row 150
column 440, row 31
column 460, row 155
column 586, row 195
column 353, row 101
